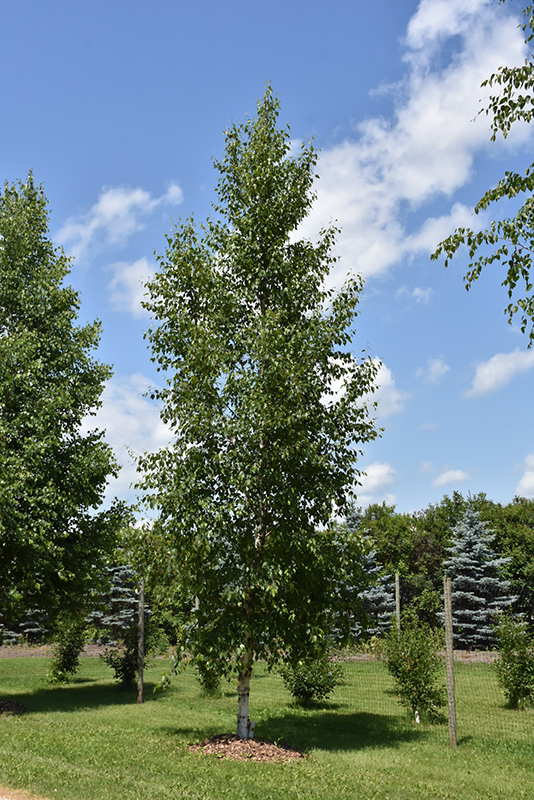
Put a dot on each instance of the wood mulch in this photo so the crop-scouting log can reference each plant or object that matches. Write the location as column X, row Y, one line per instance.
column 227, row 745
column 12, row 707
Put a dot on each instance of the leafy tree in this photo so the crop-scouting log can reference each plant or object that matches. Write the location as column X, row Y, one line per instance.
column 514, row 538
column 510, row 241
column 52, row 473
column 402, row 544
column 413, row 661
column 515, row 664
column 254, row 348
column 479, row 592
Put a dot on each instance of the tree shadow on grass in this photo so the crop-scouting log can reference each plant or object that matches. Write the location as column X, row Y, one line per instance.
column 328, row 730
column 324, row 731
column 80, row 695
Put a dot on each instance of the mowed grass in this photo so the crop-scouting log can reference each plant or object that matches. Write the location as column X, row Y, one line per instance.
column 92, row 741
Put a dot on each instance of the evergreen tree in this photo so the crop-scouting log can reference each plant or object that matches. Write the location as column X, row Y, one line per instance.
column 117, row 623
column 479, row 592
column 377, row 599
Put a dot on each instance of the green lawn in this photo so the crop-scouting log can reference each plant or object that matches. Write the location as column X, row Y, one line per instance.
column 91, row 741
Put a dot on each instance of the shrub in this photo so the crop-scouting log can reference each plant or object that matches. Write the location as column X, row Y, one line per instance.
column 69, row 639
column 313, row 679
column 515, row 664
column 413, row 661
column 124, row 661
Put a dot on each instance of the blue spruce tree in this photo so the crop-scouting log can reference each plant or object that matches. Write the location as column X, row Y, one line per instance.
column 377, row 599
column 479, row 592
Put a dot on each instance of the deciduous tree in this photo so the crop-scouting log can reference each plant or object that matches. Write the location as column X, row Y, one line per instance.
column 267, row 405
column 509, row 241
column 52, row 474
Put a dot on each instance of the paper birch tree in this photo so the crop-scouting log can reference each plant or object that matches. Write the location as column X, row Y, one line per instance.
column 268, row 409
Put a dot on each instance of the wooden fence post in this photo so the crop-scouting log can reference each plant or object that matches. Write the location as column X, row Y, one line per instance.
column 451, row 694
column 141, row 642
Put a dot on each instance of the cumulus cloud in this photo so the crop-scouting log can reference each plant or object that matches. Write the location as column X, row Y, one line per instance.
column 525, row 487
column 374, row 179
column 378, row 476
column 117, row 214
column 450, row 477
column 499, row 370
column 132, row 424
column 434, row 371
column 127, row 285
column 390, row 399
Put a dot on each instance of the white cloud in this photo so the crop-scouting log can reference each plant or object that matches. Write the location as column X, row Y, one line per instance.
column 390, row 399
column 378, row 476
column 117, row 214
column 525, row 487
column 127, row 285
column 435, row 20
column 418, row 294
column 371, row 181
column 434, row 371
column 450, row 477
column 132, row 423
column 499, row 370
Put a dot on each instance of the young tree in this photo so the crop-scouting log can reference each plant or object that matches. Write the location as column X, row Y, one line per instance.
column 479, row 592
column 255, row 349
column 509, row 241
column 52, row 475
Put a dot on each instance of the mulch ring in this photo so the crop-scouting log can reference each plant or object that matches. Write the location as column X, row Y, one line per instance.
column 227, row 745
column 12, row 707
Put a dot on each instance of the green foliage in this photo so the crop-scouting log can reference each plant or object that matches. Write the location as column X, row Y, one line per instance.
column 514, row 538
column 413, row 661
column 511, row 240
column 123, row 661
column 313, row 679
column 253, row 348
column 515, row 664
column 53, row 475
column 69, row 640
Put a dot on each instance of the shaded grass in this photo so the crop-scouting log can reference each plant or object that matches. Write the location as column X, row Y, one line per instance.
column 91, row 740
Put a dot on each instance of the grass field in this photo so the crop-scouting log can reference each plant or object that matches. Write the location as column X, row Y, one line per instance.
column 91, row 740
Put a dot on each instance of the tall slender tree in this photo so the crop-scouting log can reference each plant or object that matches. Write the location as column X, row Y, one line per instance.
column 254, row 349
column 53, row 536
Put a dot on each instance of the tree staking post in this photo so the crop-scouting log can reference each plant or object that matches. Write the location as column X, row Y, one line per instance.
column 141, row 642
column 451, row 694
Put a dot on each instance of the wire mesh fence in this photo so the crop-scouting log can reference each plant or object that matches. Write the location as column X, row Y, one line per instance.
column 368, row 692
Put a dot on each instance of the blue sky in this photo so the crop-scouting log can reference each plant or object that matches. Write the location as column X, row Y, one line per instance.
column 119, row 107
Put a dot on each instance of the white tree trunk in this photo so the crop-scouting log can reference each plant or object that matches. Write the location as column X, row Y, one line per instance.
column 243, row 691
column 244, row 729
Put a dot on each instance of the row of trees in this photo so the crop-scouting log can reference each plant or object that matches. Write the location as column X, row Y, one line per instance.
column 486, row 548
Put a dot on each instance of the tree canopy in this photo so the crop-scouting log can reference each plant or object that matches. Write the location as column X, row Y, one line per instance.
column 267, row 405
column 510, row 240
column 52, row 474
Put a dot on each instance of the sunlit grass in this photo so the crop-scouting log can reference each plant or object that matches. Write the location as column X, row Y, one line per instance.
column 91, row 740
